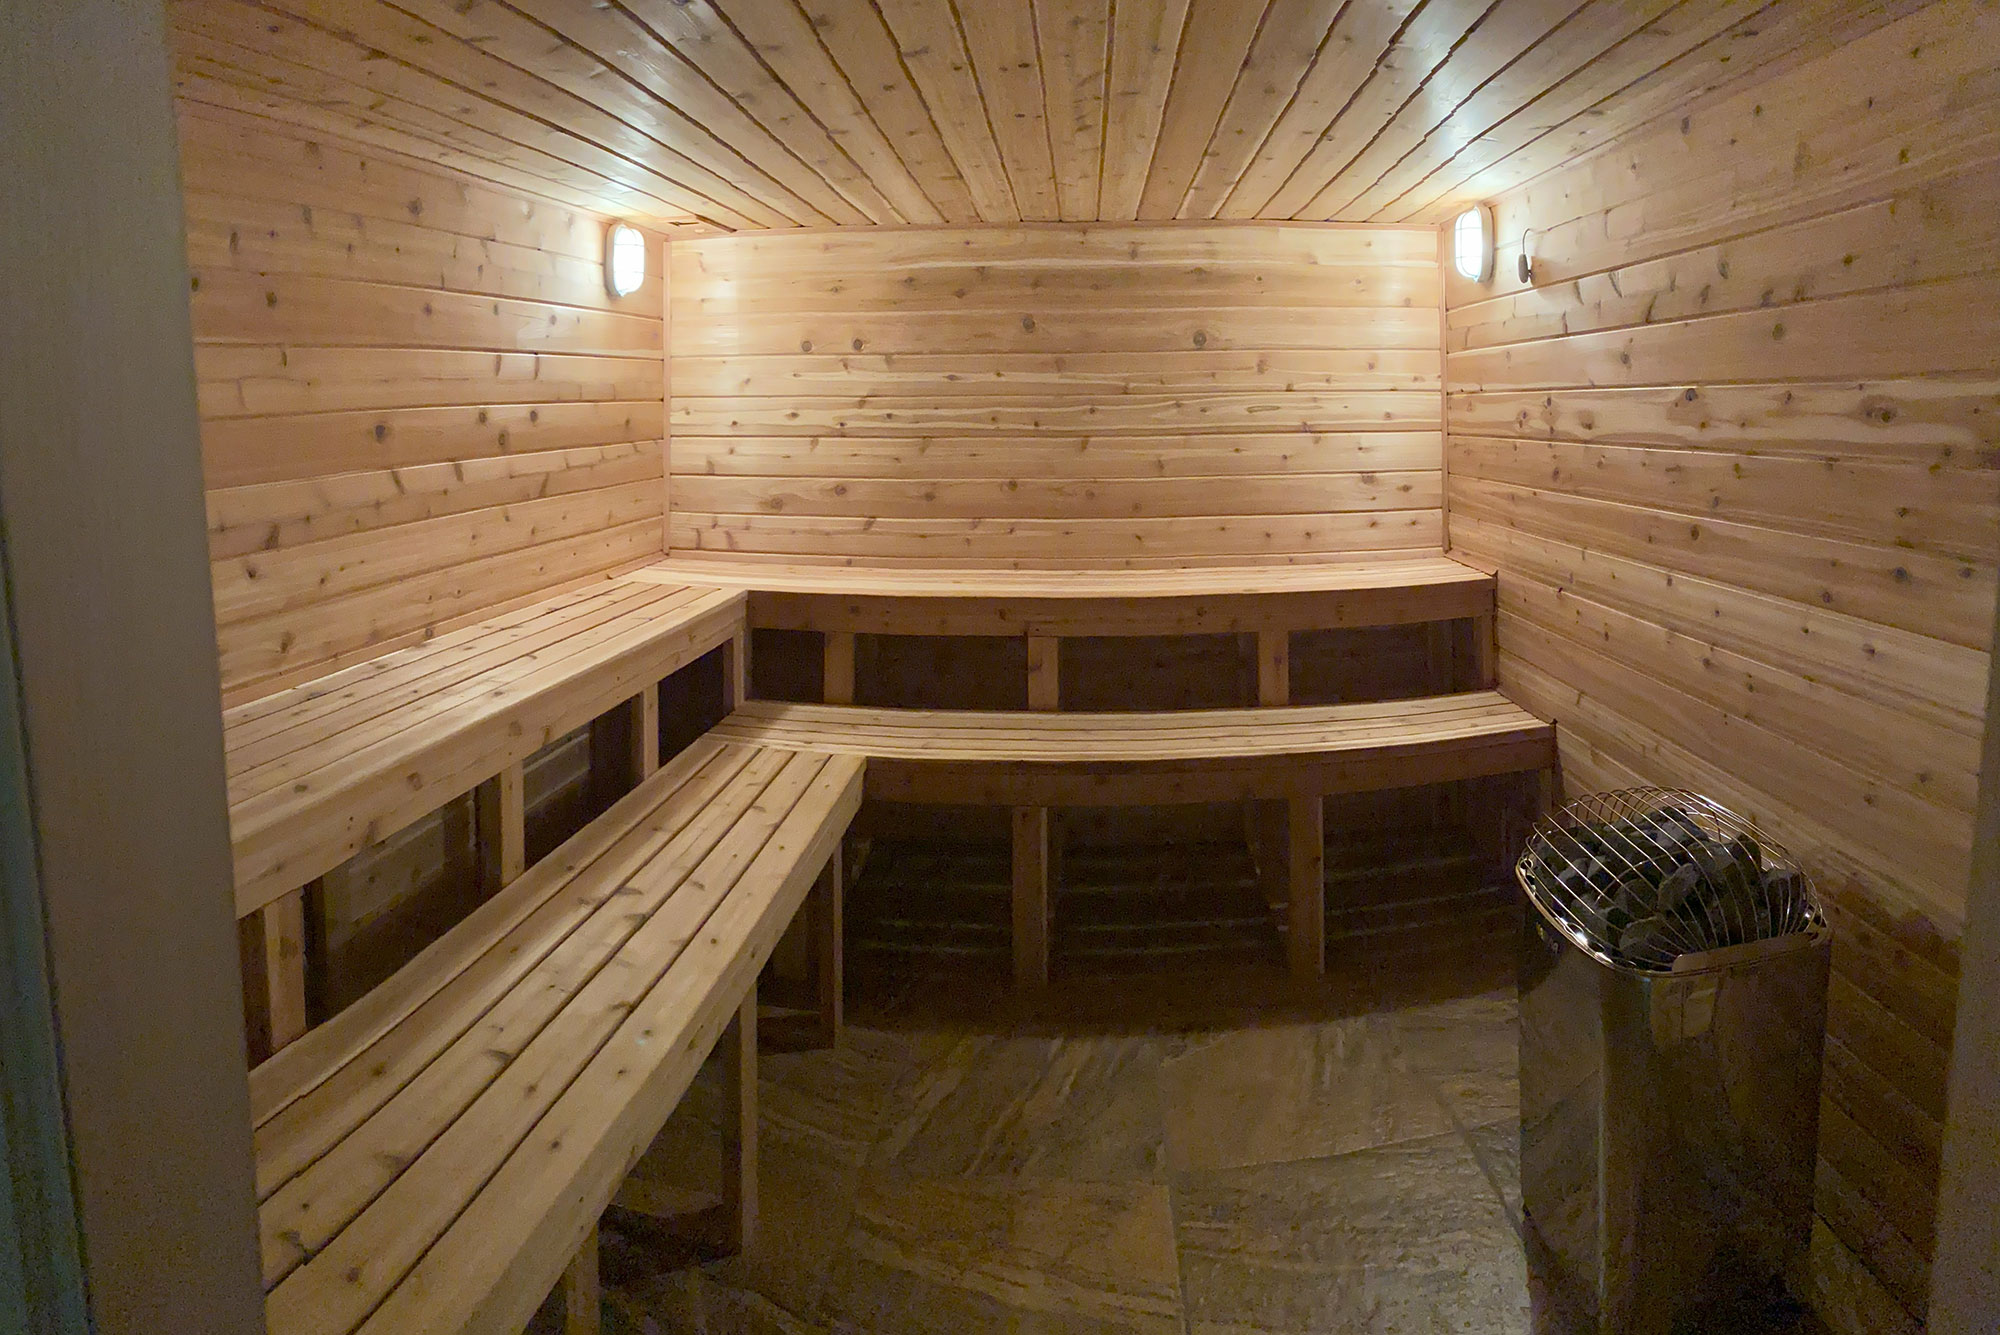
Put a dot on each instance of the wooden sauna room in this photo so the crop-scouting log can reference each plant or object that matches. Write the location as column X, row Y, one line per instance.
column 777, row 667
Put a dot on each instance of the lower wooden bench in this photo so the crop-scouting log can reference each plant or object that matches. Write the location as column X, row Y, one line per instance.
column 433, row 1157
column 1288, row 759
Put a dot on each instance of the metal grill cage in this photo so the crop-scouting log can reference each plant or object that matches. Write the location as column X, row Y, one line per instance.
column 1642, row 876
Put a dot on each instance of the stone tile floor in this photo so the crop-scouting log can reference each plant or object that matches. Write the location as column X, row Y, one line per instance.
column 1248, row 1163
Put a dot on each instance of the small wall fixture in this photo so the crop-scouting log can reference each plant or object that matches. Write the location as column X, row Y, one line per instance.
column 1525, row 265
column 1472, row 243
column 624, row 260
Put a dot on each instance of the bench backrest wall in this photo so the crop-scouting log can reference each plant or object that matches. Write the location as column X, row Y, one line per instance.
column 1056, row 395
column 1733, row 456
column 419, row 403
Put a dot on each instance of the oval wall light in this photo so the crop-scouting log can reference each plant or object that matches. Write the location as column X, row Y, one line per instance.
column 624, row 260
column 1472, row 243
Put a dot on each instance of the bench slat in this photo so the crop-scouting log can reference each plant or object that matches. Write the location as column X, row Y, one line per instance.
column 316, row 807
column 316, row 713
column 489, row 1273
column 294, row 1071
column 682, row 914
column 1038, row 759
column 694, row 817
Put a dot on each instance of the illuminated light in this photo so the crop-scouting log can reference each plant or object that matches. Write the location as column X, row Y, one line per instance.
column 1472, row 243
column 624, row 260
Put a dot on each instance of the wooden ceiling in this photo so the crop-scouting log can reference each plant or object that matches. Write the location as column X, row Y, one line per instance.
column 780, row 113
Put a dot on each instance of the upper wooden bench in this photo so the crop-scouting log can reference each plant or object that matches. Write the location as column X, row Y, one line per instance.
column 1268, row 601
column 432, row 1158
column 1291, row 757
column 322, row 770
column 943, row 600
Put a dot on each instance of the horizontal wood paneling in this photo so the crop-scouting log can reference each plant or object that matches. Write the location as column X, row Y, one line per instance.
column 1052, row 396
column 1735, row 456
column 419, row 402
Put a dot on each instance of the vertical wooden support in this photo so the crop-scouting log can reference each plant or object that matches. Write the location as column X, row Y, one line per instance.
column 583, row 1310
column 503, row 843
column 1484, row 652
column 739, row 1126
column 736, row 670
column 1305, row 858
column 1044, row 672
column 645, row 739
column 838, row 688
column 271, row 946
column 828, row 926
column 1031, row 897
column 1274, row 667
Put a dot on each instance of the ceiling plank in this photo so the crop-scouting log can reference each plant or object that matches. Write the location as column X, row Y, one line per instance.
column 198, row 92
column 1217, row 40
column 511, row 36
column 635, row 53
column 785, row 42
column 1424, row 44
column 1145, row 41
column 1001, row 41
column 933, row 50
column 1290, row 41
column 409, row 38
column 312, row 95
column 1502, row 35
column 1359, row 37
column 704, row 38
column 1587, row 35
column 860, row 43
column 1073, row 36
column 1707, row 43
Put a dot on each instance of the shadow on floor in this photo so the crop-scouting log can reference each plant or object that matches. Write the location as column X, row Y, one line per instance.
column 1181, row 1142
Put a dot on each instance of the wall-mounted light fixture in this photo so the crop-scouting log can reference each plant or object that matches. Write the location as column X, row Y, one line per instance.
column 624, row 260
column 1472, row 243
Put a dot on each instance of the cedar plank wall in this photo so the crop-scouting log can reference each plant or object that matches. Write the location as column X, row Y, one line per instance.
column 1056, row 395
column 1733, row 460
column 419, row 404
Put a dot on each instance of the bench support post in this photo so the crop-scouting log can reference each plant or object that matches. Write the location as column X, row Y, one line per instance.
column 1484, row 653
column 271, row 944
column 739, row 1126
column 1031, row 897
column 1274, row 667
column 502, row 820
column 736, row 671
column 582, row 1296
column 1044, row 672
column 838, row 682
column 828, row 926
column 646, row 733
column 1305, row 939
